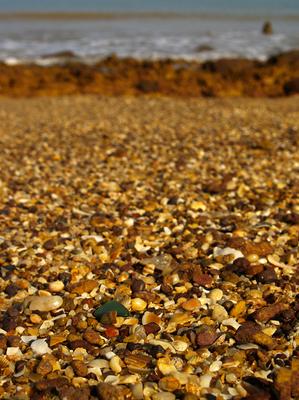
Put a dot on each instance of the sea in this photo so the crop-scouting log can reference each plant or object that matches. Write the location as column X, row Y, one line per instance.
column 42, row 31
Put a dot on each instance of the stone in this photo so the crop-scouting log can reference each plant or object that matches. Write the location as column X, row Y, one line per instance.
column 109, row 392
column 45, row 303
column 291, row 87
column 191, row 305
column 56, row 286
column 206, row 336
column 84, row 286
column 264, row 314
column 40, row 347
column 138, row 304
column 93, row 337
column 267, row 28
column 79, row 368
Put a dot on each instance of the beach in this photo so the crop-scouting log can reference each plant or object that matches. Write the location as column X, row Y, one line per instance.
column 181, row 209
column 228, row 77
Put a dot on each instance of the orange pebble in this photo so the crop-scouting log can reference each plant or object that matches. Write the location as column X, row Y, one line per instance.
column 191, row 304
column 111, row 332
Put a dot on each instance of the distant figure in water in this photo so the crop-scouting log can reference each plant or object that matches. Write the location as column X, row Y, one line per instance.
column 267, row 28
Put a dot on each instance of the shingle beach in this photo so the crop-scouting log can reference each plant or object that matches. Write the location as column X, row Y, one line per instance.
column 182, row 212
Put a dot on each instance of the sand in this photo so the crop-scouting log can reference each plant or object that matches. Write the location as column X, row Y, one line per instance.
column 185, row 211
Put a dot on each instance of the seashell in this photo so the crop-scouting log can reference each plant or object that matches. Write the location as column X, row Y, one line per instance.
column 4, row 363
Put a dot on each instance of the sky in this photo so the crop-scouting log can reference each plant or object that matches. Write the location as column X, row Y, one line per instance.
column 253, row 6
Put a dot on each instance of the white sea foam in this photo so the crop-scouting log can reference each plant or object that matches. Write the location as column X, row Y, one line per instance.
column 192, row 39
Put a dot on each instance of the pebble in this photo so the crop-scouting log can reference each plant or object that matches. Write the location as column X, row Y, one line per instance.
column 138, row 304
column 45, row 303
column 56, row 286
column 40, row 347
column 191, row 305
column 205, row 380
column 35, row 319
column 164, row 396
column 79, row 367
column 215, row 295
column 219, row 313
column 84, row 286
column 115, row 364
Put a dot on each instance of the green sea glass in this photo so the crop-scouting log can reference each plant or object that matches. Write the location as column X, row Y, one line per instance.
column 112, row 305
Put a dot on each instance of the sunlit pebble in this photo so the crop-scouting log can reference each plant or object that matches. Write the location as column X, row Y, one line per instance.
column 138, row 304
column 40, row 347
column 56, row 286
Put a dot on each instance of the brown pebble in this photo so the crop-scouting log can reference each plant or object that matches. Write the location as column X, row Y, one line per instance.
column 202, row 279
column 44, row 367
column 13, row 341
column 79, row 368
column 49, row 244
column 81, row 343
column 206, row 336
column 93, row 337
column 84, row 286
column 250, row 332
column 267, row 276
column 152, row 327
column 137, row 285
column 169, row 384
column 109, row 392
column 264, row 314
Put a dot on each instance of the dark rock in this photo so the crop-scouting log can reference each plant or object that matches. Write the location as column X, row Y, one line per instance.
column 267, row 28
column 291, row 87
column 267, row 276
column 137, row 285
column 204, row 47
column 61, row 54
column 12, row 289
column 147, row 86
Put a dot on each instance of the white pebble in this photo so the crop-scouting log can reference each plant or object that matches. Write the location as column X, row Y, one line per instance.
column 216, row 295
column 45, row 303
column 40, row 347
column 230, row 378
column 219, row 313
column 115, row 364
column 215, row 366
column 56, row 286
column 205, row 380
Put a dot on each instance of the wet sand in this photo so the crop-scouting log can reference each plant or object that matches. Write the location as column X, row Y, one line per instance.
column 185, row 212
